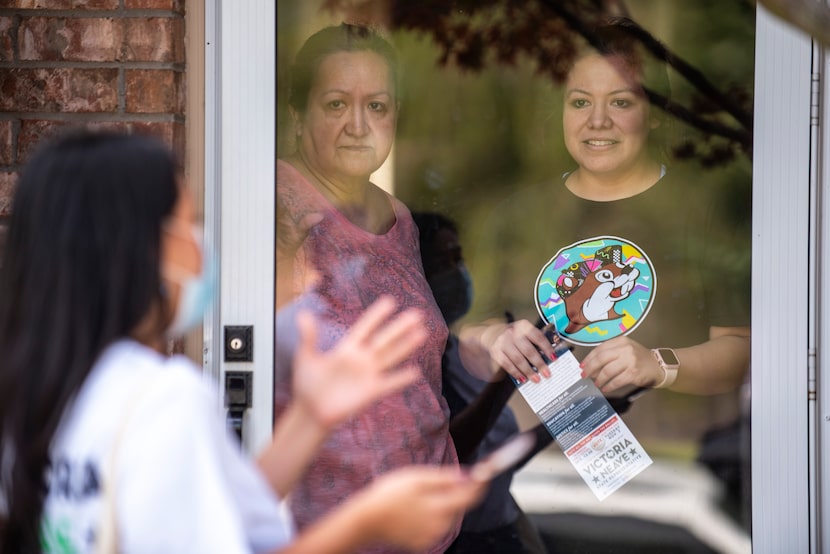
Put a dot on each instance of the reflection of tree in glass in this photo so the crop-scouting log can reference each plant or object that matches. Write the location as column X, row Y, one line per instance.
column 550, row 31
column 471, row 32
column 813, row 18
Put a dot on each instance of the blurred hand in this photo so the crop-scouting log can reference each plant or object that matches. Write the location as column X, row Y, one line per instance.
column 290, row 237
column 620, row 362
column 415, row 506
column 290, row 233
column 360, row 369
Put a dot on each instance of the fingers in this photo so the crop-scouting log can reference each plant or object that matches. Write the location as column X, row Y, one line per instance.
column 308, row 334
column 390, row 341
column 519, row 351
column 448, row 489
column 421, row 503
column 503, row 458
column 374, row 316
column 620, row 362
column 613, row 376
column 603, row 364
column 291, row 232
column 307, row 222
column 458, row 493
column 399, row 337
column 397, row 380
column 375, row 337
column 363, row 366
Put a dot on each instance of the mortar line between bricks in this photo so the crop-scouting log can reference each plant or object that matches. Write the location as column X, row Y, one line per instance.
column 175, row 66
column 120, row 13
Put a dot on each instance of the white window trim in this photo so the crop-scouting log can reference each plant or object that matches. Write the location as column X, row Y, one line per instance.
column 820, row 110
column 240, row 145
column 781, row 518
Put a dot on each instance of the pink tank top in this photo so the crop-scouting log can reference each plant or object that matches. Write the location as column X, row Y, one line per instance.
column 354, row 267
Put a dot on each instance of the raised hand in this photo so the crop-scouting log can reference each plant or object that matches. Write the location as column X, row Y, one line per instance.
column 361, row 368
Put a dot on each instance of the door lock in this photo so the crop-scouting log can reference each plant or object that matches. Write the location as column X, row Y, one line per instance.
column 238, row 396
column 239, row 343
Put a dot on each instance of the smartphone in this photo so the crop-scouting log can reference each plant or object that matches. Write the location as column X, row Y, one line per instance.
column 504, row 457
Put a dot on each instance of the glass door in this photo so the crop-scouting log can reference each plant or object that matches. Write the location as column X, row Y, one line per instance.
column 488, row 135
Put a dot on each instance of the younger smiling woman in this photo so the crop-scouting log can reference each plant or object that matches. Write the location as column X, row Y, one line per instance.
column 617, row 225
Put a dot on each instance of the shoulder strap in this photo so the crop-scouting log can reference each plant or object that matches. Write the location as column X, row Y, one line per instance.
column 107, row 536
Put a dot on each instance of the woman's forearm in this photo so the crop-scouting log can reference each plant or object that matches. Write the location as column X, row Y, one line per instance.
column 474, row 342
column 295, row 442
column 346, row 529
column 716, row 366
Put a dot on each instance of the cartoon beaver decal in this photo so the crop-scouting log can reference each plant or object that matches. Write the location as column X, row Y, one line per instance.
column 596, row 289
column 592, row 288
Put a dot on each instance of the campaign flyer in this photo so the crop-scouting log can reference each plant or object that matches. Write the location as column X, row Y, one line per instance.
column 592, row 435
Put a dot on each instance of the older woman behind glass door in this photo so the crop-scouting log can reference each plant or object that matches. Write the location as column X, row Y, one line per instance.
column 359, row 242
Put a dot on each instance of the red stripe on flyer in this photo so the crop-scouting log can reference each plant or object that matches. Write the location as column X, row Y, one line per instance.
column 608, row 423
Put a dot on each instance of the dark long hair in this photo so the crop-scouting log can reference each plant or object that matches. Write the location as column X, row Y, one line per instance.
column 80, row 270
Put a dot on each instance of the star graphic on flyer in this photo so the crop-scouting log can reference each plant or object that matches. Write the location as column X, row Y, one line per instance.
column 596, row 479
column 633, row 451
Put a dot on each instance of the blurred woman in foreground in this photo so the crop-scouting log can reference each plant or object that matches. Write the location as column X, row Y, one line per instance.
column 109, row 444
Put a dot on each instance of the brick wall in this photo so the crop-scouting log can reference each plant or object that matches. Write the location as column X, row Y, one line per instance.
column 101, row 63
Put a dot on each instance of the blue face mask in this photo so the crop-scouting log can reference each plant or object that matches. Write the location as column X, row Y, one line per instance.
column 195, row 296
column 453, row 291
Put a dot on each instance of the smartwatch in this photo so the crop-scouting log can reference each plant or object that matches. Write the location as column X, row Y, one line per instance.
column 670, row 364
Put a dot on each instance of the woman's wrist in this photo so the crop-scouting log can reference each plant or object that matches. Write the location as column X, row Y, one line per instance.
column 668, row 361
column 302, row 417
column 350, row 526
column 367, row 517
column 491, row 332
column 294, row 444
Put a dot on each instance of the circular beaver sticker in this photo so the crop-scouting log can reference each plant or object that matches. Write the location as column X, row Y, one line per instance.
column 596, row 289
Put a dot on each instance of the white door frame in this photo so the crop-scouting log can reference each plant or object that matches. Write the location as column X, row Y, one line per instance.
column 820, row 132
column 782, row 214
column 240, row 145
column 239, row 201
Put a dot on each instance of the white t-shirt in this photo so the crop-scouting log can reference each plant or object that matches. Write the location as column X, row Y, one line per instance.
column 182, row 484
